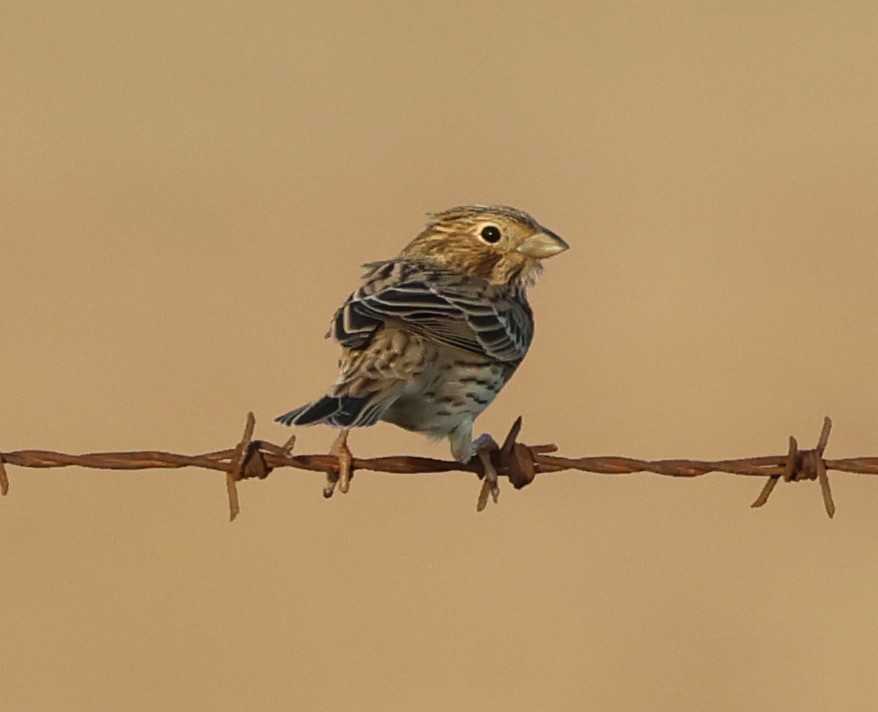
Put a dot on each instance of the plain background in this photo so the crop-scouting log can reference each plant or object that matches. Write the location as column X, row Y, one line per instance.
column 187, row 192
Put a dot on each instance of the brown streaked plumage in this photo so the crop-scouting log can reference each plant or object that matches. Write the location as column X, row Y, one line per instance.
column 431, row 336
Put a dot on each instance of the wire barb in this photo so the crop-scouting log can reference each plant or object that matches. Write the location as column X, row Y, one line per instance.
column 804, row 465
column 4, row 478
column 237, row 466
column 516, row 461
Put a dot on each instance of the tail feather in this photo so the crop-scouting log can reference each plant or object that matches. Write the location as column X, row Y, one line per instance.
column 340, row 411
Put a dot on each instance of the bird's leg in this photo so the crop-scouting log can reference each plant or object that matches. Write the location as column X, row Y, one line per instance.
column 464, row 448
column 483, row 445
column 344, row 473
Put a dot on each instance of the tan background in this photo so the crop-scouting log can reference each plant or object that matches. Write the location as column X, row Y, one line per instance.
column 187, row 192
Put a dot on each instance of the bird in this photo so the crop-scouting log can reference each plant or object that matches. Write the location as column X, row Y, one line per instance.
column 431, row 336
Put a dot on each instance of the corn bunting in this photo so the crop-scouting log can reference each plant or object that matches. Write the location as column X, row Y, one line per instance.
column 431, row 336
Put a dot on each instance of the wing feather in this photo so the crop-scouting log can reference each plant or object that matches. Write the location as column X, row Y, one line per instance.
column 443, row 306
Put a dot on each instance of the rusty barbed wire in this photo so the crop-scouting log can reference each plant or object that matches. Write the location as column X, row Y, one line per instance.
column 518, row 462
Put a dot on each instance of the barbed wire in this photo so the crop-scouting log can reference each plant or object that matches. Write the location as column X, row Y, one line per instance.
column 518, row 462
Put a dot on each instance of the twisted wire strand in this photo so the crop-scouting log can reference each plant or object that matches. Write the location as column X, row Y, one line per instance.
column 516, row 461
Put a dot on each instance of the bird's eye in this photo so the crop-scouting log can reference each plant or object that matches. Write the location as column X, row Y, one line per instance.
column 490, row 233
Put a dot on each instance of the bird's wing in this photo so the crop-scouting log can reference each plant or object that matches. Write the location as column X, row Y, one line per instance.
column 441, row 306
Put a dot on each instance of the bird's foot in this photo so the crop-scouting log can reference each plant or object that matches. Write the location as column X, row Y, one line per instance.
column 342, row 476
column 483, row 446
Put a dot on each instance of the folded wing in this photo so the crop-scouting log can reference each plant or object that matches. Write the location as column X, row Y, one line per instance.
column 461, row 312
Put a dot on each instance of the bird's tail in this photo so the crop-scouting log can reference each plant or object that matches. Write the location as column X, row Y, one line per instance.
column 339, row 410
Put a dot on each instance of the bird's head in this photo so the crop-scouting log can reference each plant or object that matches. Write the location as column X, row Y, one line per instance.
column 497, row 243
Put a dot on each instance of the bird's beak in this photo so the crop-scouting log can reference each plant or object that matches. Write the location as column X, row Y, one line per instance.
column 543, row 244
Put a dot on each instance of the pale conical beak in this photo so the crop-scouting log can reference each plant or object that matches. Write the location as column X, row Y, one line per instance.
column 543, row 244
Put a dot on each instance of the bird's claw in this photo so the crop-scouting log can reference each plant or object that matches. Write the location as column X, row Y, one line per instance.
column 483, row 447
column 342, row 476
column 488, row 488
